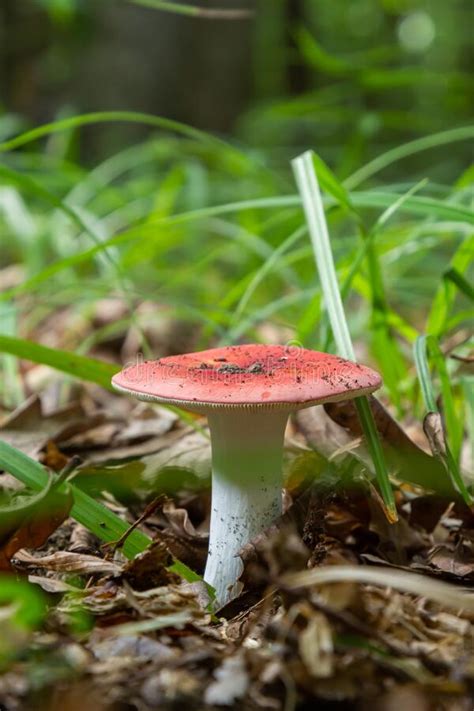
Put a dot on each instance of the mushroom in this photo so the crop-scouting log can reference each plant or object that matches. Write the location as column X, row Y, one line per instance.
column 247, row 393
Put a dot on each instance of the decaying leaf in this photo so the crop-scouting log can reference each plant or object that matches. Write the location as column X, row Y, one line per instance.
column 319, row 618
column 149, row 569
column 317, row 647
column 28, row 428
column 409, row 462
column 66, row 562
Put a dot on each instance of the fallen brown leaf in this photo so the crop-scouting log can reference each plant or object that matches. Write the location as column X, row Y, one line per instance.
column 409, row 461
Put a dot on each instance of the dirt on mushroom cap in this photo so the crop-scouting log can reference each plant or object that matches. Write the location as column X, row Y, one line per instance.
column 251, row 374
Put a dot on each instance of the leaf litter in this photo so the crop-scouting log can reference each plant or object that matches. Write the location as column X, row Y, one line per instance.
column 338, row 610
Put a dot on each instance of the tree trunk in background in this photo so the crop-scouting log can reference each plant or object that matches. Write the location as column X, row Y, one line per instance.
column 24, row 36
column 297, row 70
column 116, row 55
column 192, row 70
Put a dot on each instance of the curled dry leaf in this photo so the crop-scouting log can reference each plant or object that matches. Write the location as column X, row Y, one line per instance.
column 149, row 569
column 186, row 543
column 66, row 562
column 455, row 561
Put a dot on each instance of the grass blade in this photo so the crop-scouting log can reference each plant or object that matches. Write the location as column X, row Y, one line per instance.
column 467, row 383
column 412, row 205
column 442, row 138
column 462, row 284
column 445, row 594
column 313, row 206
column 122, row 117
column 106, row 525
column 446, row 292
column 194, row 10
column 424, row 376
column 450, row 461
column 89, row 369
column 454, row 427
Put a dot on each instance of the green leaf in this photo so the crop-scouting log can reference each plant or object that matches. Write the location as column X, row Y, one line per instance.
column 446, row 292
column 13, row 515
column 122, row 117
column 462, row 284
column 463, row 133
column 454, row 431
column 29, row 601
column 89, row 369
column 424, row 375
column 87, row 511
column 331, row 184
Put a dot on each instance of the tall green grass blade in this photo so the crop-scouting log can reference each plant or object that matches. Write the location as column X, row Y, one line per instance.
column 422, row 345
column 89, row 369
column 446, row 291
column 413, row 205
column 267, row 268
column 375, row 448
column 454, row 427
column 424, row 375
column 313, row 207
column 416, row 205
column 467, row 383
column 106, row 525
column 443, row 138
column 332, row 185
column 462, row 284
column 122, row 117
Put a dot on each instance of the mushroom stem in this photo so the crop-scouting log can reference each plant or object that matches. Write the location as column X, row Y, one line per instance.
column 247, row 449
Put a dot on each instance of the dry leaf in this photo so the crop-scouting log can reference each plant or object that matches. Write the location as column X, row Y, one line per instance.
column 65, row 562
column 316, row 646
column 231, row 682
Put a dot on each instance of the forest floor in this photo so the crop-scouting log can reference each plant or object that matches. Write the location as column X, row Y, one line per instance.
column 131, row 634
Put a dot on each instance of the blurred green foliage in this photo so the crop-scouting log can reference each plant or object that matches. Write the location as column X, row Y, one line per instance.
column 174, row 223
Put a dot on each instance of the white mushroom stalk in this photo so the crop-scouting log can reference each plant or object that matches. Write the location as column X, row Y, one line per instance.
column 247, row 450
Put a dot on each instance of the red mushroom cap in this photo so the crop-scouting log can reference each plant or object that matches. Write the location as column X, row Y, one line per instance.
column 248, row 376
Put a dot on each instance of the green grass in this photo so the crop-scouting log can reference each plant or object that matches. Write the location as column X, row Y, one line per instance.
column 307, row 173
column 214, row 235
column 97, row 518
column 453, row 426
column 106, row 525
